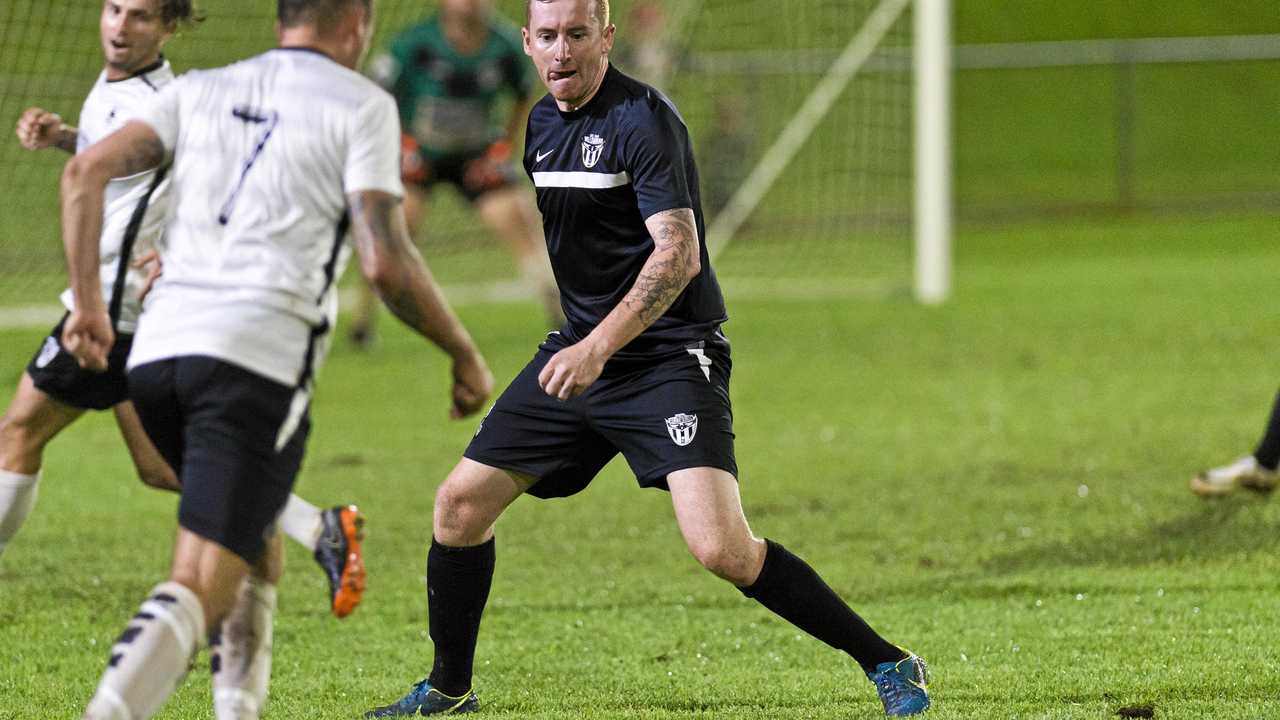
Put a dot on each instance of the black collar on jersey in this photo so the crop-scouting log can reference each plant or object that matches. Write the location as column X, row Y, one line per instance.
column 609, row 74
column 303, row 48
column 142, row 72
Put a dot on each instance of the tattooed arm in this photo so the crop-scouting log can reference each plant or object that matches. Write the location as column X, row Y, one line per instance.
column 676, row 259
column 130, row 150
column 396, row 271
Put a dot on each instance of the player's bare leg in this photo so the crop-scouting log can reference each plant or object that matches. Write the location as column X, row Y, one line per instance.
column 154, row 652
column 31, row 421
column 459, row 573
column 240, row 648
column 147, row 460
column 510, row 212
column 709, row 512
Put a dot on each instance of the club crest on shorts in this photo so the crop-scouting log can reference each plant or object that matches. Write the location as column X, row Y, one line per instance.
column 47, row 352
column 682, row 427
column 592, row 149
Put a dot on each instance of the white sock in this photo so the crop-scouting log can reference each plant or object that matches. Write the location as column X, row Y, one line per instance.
column 300, row 520
column 17, row 497
column 151, row 657
column 241, row 659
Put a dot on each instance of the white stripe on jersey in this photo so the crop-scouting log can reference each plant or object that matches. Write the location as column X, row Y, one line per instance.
column 583, row 180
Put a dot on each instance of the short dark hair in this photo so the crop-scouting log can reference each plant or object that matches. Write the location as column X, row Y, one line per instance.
column 320, row 13
column 602, row 11
column 180, row 12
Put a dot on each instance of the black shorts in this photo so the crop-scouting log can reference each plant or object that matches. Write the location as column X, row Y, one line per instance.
column 667, row 413
column 56, row 373
column 217, row 425
column 452, row 169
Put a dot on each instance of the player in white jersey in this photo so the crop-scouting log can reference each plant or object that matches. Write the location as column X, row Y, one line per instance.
column 272, row 160
column 55, row 391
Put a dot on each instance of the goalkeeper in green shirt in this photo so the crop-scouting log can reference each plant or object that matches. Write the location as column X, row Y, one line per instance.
column 448, row 75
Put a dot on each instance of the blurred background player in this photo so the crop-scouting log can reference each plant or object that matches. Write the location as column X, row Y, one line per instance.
column 55, row 391
column 447, row 75
column 1258, row 471
column 224, row 359
column 645, row 52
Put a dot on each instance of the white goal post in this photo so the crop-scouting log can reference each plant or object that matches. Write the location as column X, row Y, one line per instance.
column 932, row 202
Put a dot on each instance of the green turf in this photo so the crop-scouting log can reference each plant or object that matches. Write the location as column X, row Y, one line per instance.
column 999, row 484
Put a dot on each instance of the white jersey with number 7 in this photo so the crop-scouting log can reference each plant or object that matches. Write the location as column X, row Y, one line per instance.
column 264, row 153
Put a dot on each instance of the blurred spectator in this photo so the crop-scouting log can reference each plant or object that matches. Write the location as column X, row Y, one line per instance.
column 647, row 53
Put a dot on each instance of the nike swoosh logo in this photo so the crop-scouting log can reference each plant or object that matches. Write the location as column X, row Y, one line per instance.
column 542, row 156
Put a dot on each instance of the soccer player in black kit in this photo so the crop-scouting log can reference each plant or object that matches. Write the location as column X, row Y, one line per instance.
column 640, row 368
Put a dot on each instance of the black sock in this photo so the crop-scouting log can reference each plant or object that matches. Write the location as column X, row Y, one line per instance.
column 1268, row 452
column 458, row 580
column 790, row 588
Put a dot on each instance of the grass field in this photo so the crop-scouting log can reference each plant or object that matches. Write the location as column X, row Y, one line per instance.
column 1000, row 484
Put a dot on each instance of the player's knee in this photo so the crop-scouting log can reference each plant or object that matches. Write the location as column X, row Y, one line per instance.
column 459, row 515
column 725, row 558
column 20, row 439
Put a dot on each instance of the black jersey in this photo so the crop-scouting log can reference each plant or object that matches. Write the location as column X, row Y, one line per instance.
column 600, row 171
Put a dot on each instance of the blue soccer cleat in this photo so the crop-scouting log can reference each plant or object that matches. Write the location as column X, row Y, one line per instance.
column 902, row 686
column 426, row 700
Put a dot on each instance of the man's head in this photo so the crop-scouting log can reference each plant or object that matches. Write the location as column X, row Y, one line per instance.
column 134, row 31
column 340, row 28
column 569, row 42
column 472, row 11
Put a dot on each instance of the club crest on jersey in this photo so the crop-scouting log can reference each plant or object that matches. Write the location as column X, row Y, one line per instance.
column 682, row 427
column 47, row 352
column 592, row 149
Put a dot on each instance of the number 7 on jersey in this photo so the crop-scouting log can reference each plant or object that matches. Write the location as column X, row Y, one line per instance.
column 251, row 116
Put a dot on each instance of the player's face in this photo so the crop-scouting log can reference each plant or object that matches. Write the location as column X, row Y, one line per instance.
column 569, row 49
column 133, row 33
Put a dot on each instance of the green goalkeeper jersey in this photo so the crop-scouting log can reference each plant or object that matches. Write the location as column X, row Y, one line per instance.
column 448, row 101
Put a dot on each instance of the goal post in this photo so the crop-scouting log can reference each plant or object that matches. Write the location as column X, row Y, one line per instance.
column 933, row 159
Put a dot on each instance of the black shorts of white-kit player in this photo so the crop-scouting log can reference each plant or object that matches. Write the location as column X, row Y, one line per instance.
column 220, row 427
column 56, row 373
column 665, row 412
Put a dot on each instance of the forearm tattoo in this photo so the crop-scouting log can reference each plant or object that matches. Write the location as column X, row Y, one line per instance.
column 373, row 219
column 667, row 272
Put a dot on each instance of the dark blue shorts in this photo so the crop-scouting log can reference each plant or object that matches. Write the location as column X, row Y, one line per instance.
column 217, row 424
column 56, row 373
column 664, row 413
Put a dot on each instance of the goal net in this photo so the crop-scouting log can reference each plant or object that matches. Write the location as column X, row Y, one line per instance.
column 801, row 115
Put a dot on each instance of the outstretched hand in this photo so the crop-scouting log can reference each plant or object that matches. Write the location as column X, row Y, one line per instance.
column 88, row 337
column 571, row 371
column 472, row 385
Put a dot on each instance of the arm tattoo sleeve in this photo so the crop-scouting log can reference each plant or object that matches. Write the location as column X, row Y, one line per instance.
column 673, row 263
column 372, row 216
